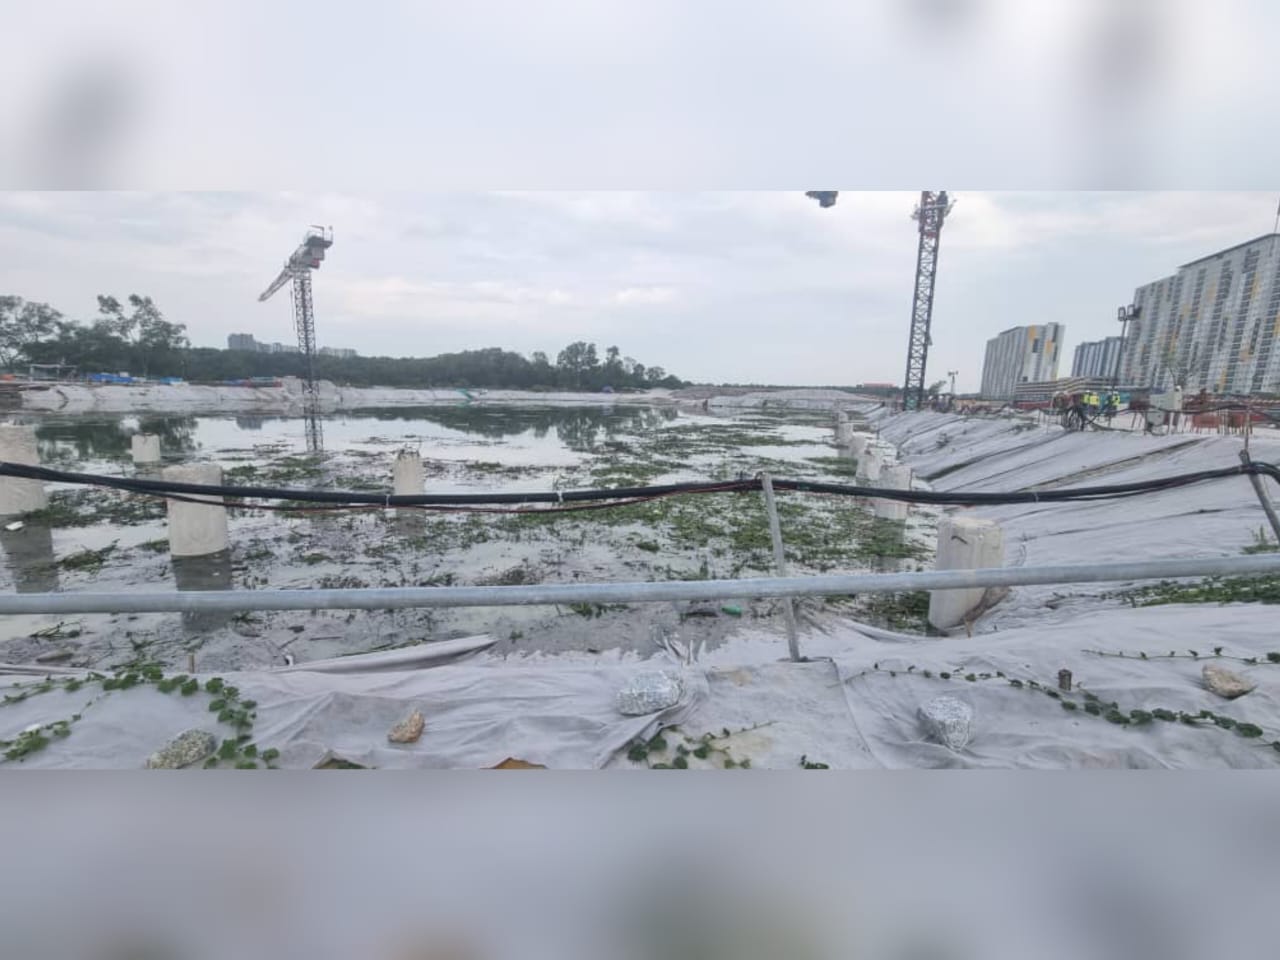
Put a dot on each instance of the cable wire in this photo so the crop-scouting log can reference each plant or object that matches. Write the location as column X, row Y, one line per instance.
column 325, row 500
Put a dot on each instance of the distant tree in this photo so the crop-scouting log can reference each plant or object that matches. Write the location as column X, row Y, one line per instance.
column 135, row 336
column 576, row 361
column 155, row 340
column 23, row 325
column 935, row 388
column 1176, row 364
column 113, row 319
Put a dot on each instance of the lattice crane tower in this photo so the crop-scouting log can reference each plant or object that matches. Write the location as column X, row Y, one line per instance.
column 929, row 214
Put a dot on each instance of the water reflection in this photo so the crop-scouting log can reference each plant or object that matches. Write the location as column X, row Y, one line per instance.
column 893, row 536
column 315, row 432
column 108, row 438
column 80, row 439
column 204, row 573
column 579, row 428
column 29, row 552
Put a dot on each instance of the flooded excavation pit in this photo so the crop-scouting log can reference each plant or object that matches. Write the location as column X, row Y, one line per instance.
column 91, row 539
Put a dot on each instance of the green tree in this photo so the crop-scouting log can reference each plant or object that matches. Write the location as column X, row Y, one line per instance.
column 135, row 336
column 577, row 361
column 24, row 324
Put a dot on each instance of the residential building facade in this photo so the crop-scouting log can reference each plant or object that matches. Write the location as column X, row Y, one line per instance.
column 1212, row 325
column 245, row 341
column 1020, row 355
column 1096, row 358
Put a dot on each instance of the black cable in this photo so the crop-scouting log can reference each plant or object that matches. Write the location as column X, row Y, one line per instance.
column 188, row 491
column 959, row 498
column 167, row 487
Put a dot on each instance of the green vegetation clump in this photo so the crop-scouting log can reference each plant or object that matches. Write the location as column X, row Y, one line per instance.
column 90, row 506
column 1265, row 589
column 900, row 611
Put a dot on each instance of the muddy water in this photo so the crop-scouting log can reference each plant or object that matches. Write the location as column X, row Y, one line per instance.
column 102, row 541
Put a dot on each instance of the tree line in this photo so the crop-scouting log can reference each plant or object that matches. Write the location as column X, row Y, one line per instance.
column 134, row 336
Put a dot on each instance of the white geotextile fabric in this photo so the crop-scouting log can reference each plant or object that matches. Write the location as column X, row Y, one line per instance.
column 1021, row 727
column 562, row 716
column 560, row 712
column 118, row 398
column 1215, row 519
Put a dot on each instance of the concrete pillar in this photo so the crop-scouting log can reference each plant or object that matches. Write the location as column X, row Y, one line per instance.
column 18, row 445
column 844, row 433
column 858, row 443
column 204, row 573
column 145, row 448
column 870, row 462
column 896, row 476
column 406, row 474
column 196, row 529
column 964, row 543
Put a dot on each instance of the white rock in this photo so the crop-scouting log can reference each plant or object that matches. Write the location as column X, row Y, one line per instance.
column 184, row 750
column 948, row 721
column 407, row 730
column 1224, row 683
column 649, row 693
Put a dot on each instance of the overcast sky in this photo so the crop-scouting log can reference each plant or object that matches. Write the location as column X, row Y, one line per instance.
column 725, row 287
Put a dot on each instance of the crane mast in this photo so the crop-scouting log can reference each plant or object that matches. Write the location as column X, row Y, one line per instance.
column 297, row 269
column 929, row 214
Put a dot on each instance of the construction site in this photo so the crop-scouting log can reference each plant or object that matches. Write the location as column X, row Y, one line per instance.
column 298, row 575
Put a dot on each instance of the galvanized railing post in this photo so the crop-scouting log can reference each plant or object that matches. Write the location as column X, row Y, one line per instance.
column 780, row 562
column 1263, row 498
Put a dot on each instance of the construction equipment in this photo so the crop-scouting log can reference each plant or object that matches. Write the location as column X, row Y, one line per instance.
column 929, row 214
column 825, row 198
column 297, row 268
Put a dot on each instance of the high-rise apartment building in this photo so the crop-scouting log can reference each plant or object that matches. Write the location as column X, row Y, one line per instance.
column 1212, row 325
column 1020, row 355
column 1097, row 358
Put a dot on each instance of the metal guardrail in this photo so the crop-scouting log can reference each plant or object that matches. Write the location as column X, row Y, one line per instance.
column 391, row 598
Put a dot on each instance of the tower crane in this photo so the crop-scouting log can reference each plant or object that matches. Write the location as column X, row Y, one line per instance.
column 297, row 268
column 929, row 214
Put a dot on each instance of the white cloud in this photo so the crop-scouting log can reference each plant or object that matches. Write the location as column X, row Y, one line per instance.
column 763, row 287
column 644, row 295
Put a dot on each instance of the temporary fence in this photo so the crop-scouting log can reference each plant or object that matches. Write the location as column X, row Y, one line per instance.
column 781, row 586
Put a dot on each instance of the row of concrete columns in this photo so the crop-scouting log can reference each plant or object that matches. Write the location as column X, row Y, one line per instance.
column 964, row 543
column 200, row 528
column 874, row 468
column 196, row 529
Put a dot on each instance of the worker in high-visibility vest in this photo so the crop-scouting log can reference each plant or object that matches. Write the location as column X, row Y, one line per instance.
column 1111, row 406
